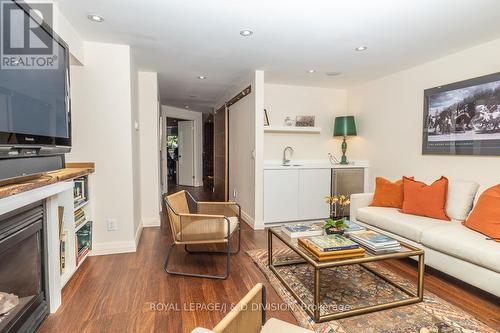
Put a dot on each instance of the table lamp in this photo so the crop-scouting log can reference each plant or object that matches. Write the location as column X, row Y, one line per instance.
column 344, row 126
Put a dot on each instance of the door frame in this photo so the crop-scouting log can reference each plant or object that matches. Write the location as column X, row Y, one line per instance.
column 173, row 112
column 191, row 134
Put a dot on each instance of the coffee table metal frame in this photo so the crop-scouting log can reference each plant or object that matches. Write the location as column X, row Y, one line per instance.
column 411, row 251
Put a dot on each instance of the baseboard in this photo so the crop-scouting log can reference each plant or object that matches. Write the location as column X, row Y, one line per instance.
column 151, row 222
column 99, row 249
column 138, row 234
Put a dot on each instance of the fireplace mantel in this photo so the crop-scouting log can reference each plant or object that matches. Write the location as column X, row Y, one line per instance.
column 56, row 189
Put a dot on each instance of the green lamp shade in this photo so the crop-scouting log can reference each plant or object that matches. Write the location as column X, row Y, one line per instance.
column 344, row 126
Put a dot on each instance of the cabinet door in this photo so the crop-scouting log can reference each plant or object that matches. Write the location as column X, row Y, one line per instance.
column 281, row 188
column 314, row 186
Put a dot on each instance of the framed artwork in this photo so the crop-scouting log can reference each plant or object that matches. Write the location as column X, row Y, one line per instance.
column 304, row 121
column 266, row 119
column 463, row 118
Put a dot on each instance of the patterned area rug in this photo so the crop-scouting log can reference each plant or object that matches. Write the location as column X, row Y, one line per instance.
column 344, row 287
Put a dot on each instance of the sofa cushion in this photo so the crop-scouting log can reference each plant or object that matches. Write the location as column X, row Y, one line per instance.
column 460, row 242
column 461, row 196
column 485, row 218
column 425, row 200
column 390, row 219
column 387, row 193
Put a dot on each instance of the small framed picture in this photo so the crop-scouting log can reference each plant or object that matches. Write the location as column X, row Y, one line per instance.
column 305, row 121
column 266, row 118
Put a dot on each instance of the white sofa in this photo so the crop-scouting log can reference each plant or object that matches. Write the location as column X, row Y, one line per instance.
column 449, row 247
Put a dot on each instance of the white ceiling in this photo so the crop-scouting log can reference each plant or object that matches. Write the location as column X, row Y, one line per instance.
column 182, row 39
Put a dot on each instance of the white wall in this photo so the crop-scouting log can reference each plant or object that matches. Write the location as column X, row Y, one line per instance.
column 101, row 118
column 173, row 112
column 286, row 100
column 389, row 113
column 246, row 141
column 149, row 148
column 134, row 130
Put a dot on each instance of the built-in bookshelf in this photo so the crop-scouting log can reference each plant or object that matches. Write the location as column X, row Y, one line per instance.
column 76, row 228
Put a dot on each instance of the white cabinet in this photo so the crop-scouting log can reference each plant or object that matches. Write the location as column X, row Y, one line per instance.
column 281, row 195
column 296, row 194
column 314, row 186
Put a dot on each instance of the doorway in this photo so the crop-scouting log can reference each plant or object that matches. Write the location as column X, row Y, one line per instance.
column 180, row 152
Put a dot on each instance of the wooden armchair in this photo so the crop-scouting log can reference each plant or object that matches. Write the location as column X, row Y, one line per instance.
column 195, row 222
column 249, row 316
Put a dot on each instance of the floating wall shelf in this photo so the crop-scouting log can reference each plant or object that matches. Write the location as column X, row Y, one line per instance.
column 292, row 129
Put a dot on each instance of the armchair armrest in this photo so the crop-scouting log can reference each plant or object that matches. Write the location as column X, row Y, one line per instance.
column 228, row 209
column 359, row 200
column 248, row 315
column 204, row 227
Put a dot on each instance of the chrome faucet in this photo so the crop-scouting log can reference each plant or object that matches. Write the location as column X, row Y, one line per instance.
column 285, row 160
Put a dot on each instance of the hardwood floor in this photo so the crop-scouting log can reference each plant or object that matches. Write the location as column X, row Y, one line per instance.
column 131, row 292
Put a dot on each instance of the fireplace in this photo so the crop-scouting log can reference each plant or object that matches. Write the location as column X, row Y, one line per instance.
column 23, row 269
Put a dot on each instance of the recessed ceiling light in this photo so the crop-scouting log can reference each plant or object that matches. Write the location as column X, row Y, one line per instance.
column 311, row 71
column 95, row 18
column 333, row 73
column 186, row 106
column 361, row 48
column 202, row 77
column 246, row 32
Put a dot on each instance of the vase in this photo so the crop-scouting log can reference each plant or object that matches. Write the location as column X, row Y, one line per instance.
column 334, row 231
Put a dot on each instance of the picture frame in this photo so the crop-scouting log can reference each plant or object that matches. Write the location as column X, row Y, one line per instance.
column 305, row 121
column 266, row 118
column 463, row 118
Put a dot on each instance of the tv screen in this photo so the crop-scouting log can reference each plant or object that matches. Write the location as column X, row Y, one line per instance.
column 34, row 103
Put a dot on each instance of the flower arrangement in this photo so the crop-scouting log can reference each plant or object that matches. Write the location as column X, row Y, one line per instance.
column 336, row 223
column 337, row 203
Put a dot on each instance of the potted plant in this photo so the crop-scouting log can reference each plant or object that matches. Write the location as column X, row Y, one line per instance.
column 335, row 226
column 336, row 223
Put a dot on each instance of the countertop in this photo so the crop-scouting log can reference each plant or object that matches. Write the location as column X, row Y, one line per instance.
column 305, row 164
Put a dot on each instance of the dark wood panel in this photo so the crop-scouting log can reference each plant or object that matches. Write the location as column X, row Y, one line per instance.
column 115, row 293
column 220, row 155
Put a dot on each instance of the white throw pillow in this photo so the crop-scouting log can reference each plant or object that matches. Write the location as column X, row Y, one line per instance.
column 460, row 199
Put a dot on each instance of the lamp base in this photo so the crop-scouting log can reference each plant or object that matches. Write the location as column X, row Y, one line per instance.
column 343, row 160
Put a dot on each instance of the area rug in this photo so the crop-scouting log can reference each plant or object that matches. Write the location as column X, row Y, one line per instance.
column 344, row 287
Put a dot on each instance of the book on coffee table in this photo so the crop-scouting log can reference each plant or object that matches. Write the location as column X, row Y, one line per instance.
column 297, row 230
column 327, row 256
column 312, row 248
column 329, row 243
column 375, row 241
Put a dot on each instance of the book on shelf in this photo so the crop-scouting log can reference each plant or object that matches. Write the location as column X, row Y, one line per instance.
column 329, row 243
column 328, row 256
column 297, row 230
column 375, row 241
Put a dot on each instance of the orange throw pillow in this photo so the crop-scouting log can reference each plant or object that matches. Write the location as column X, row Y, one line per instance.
column 485, row 217
column 387, row 193
column 425, row 200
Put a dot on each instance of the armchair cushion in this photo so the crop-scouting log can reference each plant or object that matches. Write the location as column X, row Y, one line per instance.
column 210, row 230
column 274, row 325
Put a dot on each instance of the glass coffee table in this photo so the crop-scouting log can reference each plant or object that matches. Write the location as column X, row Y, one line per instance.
column 305, row 258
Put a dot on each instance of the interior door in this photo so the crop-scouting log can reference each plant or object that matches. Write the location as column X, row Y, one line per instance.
column 221, row 155
column 185, row 169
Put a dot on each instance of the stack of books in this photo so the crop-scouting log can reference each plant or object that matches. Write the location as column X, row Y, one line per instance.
column 79, row 217
column 331, row 247
column 302, row 229
column 353, row 227
column 375, row 242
